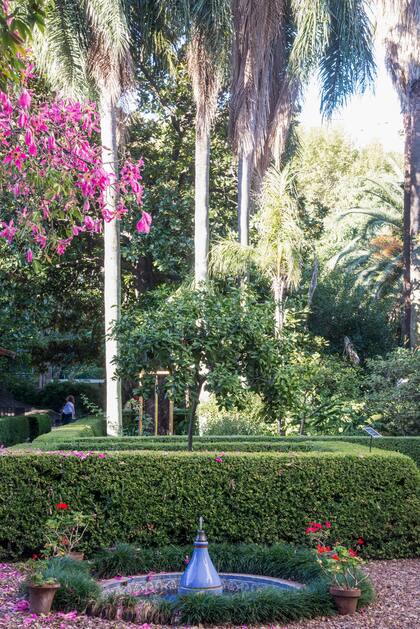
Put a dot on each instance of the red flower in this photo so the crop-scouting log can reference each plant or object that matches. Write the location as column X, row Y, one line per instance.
column 35, row 556
column 352, row 553
column 360, row 541
column 310, row 529
column 323, row 549
column 335, row 557
column 327, row 525
column 61, row 506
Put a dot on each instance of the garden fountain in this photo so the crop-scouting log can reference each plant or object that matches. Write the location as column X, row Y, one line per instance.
column 200, row 577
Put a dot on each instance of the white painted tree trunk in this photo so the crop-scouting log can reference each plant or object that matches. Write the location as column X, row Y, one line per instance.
column 278, row 287
column 244, row 191
column 112, row 267
column 201, row 221
column 415, row 215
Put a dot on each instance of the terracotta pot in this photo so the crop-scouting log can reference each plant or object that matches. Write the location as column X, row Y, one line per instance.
column 345, row 600
column 76, row 555
column 41, row 597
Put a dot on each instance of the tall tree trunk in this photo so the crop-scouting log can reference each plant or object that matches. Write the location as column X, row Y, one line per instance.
column 414, row 99
column 406, row 315
column 201, row 228
column 244, row 191
column 112, row 266
column 278, row 288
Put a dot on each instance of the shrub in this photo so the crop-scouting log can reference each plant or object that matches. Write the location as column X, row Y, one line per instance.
column 256, row 443
column 77, row 588
column 216, row 421
column 54, row 394
column 154, row 498
column 39, row 424
column 14, row 429
column 393, row 392
column 87, row 427
column 126, row 444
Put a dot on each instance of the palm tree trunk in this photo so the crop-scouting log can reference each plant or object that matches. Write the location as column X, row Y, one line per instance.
column 406, row 316
column 415, row 214
column 244, row 191
column 112, row 263
column 201, row 230
column 278, row 287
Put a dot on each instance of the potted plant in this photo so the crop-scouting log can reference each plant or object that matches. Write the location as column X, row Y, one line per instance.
column 64, row 531
column 41, row 589
column 341, row 565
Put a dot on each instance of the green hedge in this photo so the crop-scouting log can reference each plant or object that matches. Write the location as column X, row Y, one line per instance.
column 39, row 424
column 154, row 498
column 87, row 427
column 14, row 429
column 65, row 441
column 127, row 444
column 20, row 428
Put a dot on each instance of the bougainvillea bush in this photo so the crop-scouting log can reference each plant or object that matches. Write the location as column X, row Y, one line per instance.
column 52, row 181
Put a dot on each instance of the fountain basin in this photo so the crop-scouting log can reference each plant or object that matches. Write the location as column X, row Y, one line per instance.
column 165, row 584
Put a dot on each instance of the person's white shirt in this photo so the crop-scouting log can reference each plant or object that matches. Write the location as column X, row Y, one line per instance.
column 69, row 408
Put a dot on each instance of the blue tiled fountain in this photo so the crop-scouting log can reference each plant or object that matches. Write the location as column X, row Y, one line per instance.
column 200, row 577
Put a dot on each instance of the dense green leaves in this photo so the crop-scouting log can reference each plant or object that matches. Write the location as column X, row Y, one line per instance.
column 156, row 498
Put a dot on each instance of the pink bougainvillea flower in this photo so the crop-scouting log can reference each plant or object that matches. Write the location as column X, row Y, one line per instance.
column 101, row 455
column 24, row 99
column 327, row 525
column 22, row 605
column 218, row 459
column 29, row 256
column 143, row 226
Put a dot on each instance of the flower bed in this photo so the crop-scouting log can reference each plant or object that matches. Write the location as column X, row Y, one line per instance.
column 79, row 591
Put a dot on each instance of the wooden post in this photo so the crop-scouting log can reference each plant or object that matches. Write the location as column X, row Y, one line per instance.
column 140, row 416
column 171, row 417
column 156, row 404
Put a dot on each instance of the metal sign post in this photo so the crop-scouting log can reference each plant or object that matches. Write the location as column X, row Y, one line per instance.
column 373, row 434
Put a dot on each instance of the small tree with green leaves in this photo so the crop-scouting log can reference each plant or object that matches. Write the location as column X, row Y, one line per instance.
column 200, row 336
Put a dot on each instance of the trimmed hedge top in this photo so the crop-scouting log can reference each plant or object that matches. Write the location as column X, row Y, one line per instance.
column 74, row 436
column 155, row 498
column 19, row 428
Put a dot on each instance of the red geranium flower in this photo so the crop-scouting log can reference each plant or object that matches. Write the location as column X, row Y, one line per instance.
column 61, row 506
column 335, row 557
column 35, row 556
column 360, row 541
column 352, row 553
column 327, row 525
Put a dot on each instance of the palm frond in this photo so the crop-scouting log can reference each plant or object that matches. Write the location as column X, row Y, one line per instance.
column 229, row 258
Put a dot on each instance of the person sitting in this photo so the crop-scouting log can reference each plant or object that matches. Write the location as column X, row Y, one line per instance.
column 69, row 412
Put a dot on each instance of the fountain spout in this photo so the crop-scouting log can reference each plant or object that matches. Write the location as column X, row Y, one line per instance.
column 200, row 576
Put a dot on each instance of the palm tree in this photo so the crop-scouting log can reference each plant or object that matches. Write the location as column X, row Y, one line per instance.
column 209, row 28
column 84, row 52
column 277, row 45
column 375, row 254
column 402, row 45
column 277, row 253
